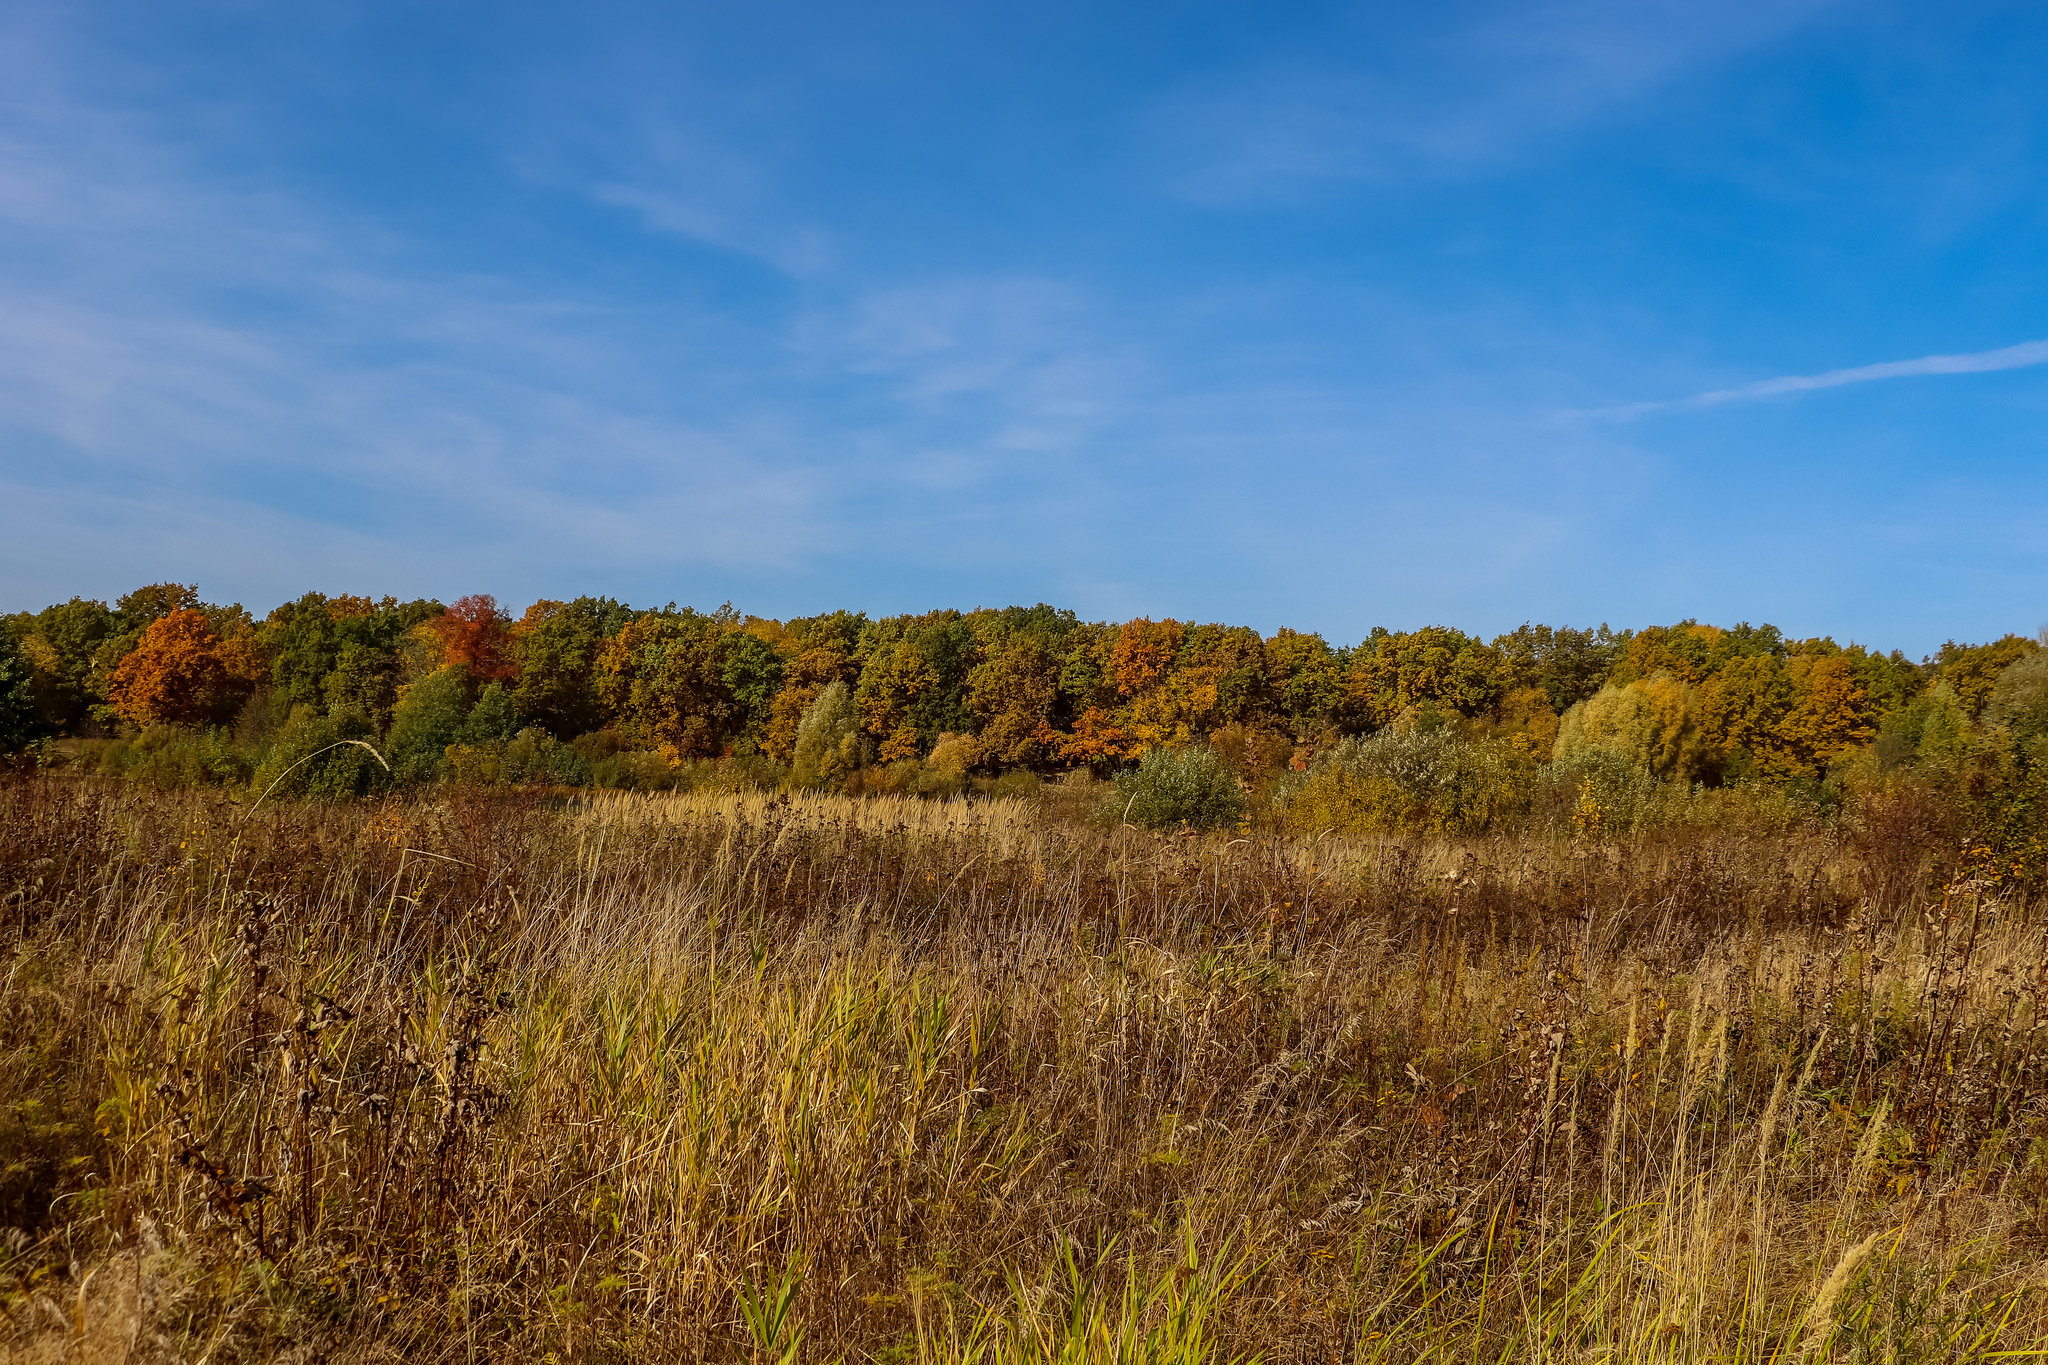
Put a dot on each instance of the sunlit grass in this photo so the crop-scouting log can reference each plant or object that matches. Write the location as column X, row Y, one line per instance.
column 758, row 1078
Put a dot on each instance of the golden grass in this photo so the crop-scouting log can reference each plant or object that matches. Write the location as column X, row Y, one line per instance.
column 757, row 1078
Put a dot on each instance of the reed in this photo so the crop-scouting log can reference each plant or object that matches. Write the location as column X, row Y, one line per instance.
column 750, row 1077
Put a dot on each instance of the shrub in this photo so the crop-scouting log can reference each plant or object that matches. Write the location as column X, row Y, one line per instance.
column 310, row 757
column 534, row 755
column 169, row 756
column 1189, row 786
column 1414, row 779
column 1595, row 790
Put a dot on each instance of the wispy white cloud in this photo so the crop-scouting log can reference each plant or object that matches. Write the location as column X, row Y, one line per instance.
column 2019, row 357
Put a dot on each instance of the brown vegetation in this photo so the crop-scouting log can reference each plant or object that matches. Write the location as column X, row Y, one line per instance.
column 741, row 1076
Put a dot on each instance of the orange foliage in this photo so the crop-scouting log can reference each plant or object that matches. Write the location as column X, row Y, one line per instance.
column 180, row 673
column 474, row 633
column 347, row 606
column 1097, row 739
column 1144, row 654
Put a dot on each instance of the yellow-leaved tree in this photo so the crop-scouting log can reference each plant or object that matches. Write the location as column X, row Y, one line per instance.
column 1653, row 723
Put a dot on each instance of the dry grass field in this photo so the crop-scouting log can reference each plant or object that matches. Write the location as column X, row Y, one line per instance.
column 781, row 1079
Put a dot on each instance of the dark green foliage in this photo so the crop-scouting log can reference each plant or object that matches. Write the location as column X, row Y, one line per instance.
column 491, row 719
column 752, row 673
column 61, row 643
column 364, row 680
column 1569, row 665
column 535, row 756
column 341, row 652
column 18, row 720
column 1891, row 680
column 1191, row 786
column 557, row 644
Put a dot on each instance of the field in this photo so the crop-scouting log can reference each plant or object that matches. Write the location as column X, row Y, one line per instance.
column 740, row 1077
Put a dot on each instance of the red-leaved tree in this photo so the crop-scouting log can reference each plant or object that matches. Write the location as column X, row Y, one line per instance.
column 473, row 633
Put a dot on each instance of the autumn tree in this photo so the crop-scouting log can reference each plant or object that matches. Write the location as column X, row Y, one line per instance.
column 556, row 646
column 1832, row 714
column 913, row 681
column 1013, row 690
column 1143, row 656
column 1408, row 674
column 475, row 634
column 1013, row 693
column 1971, row 671
column 1778, row 720
column 820, row 651
column 178, row 674
column 664, row 677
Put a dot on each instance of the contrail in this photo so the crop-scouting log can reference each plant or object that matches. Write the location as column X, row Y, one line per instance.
column 2005, row 358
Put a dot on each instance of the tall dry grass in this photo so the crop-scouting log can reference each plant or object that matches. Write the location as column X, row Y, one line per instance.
column 750, row 1078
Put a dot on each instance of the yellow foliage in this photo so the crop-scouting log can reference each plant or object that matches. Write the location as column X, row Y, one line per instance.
column 1653, row 724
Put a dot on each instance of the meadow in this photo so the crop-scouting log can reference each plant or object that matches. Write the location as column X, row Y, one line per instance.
column 479, row 1074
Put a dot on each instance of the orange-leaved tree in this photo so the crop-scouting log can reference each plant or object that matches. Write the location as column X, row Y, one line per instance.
column 181, row 673
column 474, row 633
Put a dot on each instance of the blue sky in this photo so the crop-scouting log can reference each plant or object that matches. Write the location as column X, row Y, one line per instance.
column 1320, row 315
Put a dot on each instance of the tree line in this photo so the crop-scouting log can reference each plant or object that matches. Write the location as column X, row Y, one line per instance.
column 593, row 689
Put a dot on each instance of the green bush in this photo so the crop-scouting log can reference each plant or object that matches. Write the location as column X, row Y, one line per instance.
column 1190, row 786
column 1422, row 780
column 1626, row 796
column 170, row 756
column 534, row 755
column 312, row 756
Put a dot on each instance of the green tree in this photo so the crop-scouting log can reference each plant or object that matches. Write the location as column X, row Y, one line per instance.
column 829, row 747
column 1305, row 677
column 59, row 645
column 913, row 681
column 1569, row 665
column 557, row 645
column 752, row 672
column 429, row 717
column 491, row 720
column 19, row 722
column 2019, row 699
